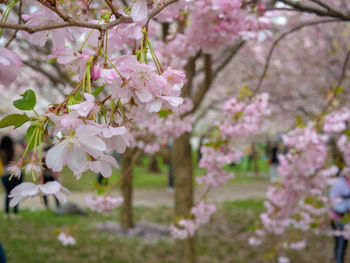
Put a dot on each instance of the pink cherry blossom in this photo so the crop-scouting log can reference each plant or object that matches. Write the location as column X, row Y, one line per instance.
column 73, row 150
column 45, row 16
column 96, row 72
column 84, row 108
column 184, row 228
column 103, row 165
column 10, row 66
column 66, row 239
column 64, row 123
column 103, row 203
column 139, row 12
column 21, row 192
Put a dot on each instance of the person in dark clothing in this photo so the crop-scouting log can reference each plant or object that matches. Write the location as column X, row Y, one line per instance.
column 2, row 255
column 7, row 153
column 273, row 161
column 339, row 194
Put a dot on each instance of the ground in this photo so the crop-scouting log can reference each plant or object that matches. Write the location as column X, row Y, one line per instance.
column 32, row 238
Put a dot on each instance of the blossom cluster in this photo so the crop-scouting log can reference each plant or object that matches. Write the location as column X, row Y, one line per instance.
column 242, row 119
column 200, row 215
column 102, row 204
column 152, row 132
column 66, row 239
column 216, row 23
column 299, row 196
column 214, row 160
column 336, row 121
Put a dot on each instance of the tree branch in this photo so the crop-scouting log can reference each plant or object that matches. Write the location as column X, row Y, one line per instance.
column 338, row 85
column 275, row 43
column 112, row 7
column 233, row 51
column 55, row 9
column 205, row 85
column 70, row 22
column 19, row 22
column 316, row 11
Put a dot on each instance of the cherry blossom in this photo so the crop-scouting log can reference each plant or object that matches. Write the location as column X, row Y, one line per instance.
column 10, row 66
column 73, row 150
column 139, row 11
column 103, row 203
column 103, row 165
column 44, row 16
column 21, row 192
column 84, row 108
column 66, row 239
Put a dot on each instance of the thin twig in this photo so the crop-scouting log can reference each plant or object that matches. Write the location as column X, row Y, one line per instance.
column 19, row 22
column 337, row 87
column 56, row 10
column 97, row 52
column 275, row 43
column 112, row 7
column 316, row 11
column 75, row 23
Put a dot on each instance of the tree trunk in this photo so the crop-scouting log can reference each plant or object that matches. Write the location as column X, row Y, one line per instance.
column 127, row 220
column 255, row 157
column 153, row 165
column 183, row 179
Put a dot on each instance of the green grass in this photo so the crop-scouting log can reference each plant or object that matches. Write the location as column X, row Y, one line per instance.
column 32, row 238
column 143, row 178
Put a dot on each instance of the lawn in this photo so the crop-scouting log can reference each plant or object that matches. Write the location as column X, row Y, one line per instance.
column 31, row 238
column 143, row 178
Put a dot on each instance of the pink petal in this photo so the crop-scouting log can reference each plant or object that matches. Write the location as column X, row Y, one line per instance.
column 139, row 12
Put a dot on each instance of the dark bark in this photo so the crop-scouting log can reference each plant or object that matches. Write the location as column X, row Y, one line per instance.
column 153, row 165
column 126, row 216
column 183, row 178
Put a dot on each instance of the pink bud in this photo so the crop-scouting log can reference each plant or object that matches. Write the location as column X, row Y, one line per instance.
column 96, row 72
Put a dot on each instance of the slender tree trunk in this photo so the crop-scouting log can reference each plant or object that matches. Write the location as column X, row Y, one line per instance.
column 183, row 179
column 153, row 165
column 255, row 157
column 127, row 220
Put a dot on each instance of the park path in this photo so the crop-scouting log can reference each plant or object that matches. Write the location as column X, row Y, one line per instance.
column 161, row 197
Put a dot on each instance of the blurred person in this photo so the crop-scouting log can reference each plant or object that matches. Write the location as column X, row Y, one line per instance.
column 339, row 195
column 273, row 161
column 2, row 254
column 7, row 155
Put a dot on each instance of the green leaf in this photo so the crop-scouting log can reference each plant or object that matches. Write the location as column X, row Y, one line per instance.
column 16, row 120
column 52, row 60
column 98, row 91
column 347, row 133
column 299, row 121
column 163, row 113
column 30, row 136
column 27, row 102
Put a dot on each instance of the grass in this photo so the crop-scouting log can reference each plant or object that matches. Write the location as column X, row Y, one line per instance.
column 143, row 178
column 32, row 238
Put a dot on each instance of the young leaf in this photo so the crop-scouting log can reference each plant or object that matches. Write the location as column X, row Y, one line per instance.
column 27, row 102
column 98, row 91
column 16, row 120
column 30, row 136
